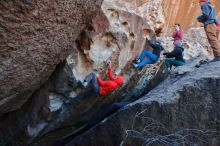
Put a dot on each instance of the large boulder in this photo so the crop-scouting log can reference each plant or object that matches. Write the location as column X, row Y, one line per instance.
column 183, row 110
column 113, row 34
column 117, row 33
column 35, row 37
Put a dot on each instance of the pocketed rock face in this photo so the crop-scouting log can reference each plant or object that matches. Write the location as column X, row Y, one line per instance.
column 114, row 35
column 184, row 109
column 35, row 37
column 151, row 11
column 163, row 14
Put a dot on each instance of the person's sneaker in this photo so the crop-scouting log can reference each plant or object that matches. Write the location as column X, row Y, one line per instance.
column 68, row 101
column 138, row 60
column 135, row 65
column 85, row 84
column 215, row 59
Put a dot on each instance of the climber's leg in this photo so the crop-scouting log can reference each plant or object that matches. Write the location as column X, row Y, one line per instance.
column 152, row 58
column 144, row 62
column 213, row 32
column 81, row 96
column 168, row 62
column 148, row 54
column 92, row 79
column 177, row 63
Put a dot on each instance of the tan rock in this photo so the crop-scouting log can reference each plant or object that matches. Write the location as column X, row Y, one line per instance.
column 163, row 14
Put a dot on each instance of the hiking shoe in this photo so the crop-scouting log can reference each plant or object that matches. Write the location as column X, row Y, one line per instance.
column 68, row 101
column 83, row 84
column 216, row 59
column 135, row 65
column 138, row 60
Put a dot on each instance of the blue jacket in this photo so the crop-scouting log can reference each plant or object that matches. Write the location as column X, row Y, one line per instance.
column 209, row 15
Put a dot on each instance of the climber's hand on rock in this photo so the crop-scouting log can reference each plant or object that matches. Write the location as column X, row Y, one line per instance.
column 147, row 38
column 109, row 63
column 100, row 69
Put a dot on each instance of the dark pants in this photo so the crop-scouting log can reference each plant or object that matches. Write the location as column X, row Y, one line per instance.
column 91, row 79
column 169, row 62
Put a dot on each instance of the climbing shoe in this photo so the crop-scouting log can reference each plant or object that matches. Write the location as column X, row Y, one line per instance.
column 83, row 84
column 68, row 101
column 135, row 65
column 137, row 60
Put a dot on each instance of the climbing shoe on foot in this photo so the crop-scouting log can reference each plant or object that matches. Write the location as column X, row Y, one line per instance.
column 137, row 60
column 68, row 101
column 135, row 65
column 83, row 84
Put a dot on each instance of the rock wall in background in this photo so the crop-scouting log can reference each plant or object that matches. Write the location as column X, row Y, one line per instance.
column 163, row 14
column 184, row 12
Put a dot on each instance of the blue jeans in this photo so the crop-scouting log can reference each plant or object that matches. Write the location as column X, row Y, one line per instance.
column 152, row 58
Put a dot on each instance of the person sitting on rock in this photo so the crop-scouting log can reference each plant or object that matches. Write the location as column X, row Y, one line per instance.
column 151, row 57
column 211, row 25
column 178, row 33
column 175, row 58
column 99, row 87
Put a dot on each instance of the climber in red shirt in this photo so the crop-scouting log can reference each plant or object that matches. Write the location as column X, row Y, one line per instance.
column 99, row 87
column 178, row 33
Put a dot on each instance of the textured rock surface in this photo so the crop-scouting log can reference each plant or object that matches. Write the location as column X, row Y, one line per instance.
column 35, row 36
column 163, row 14
column 184, row 108
column 114, row 34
